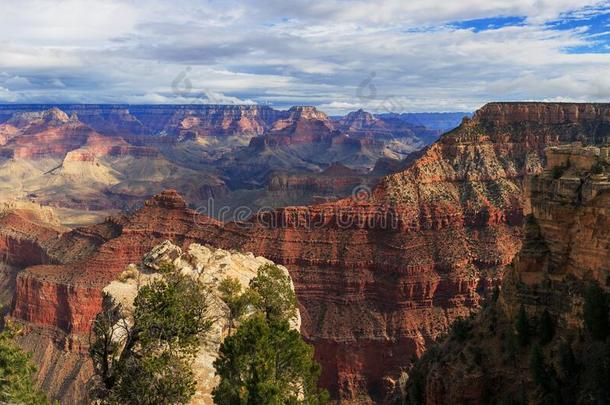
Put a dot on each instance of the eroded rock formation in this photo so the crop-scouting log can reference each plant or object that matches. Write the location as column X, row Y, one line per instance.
column 210, row 266
column 377, row 277
column 566, row 249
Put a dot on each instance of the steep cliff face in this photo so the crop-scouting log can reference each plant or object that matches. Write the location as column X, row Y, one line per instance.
column 389, row 273
column 243, row 121
column 377, row 276
column 46, row 134
column 566, row 250
column 51, row 133
column 302, row 125
column 59, row 161
column 26, row 231
column 126, row 120
column 335, row 180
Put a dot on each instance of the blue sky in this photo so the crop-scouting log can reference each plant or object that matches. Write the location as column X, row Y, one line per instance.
column 339, row 55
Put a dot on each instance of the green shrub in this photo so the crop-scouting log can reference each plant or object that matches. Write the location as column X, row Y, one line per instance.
column 460, row 330
column 522, row 326
column 546, row 328
column 558, row 171
column 597, row 168
column 595, row 312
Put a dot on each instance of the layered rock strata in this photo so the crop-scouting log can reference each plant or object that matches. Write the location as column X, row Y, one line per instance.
column 378, row 276
column 566, row 250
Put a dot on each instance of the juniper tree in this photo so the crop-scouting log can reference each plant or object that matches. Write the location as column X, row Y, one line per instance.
column 266, row 361
column 17, row 385
column 144, row 356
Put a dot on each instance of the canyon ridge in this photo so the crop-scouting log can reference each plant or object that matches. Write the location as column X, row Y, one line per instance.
column 379, row 275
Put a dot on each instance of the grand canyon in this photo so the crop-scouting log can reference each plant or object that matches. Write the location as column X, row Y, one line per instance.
column 340, row 202
column 378, row 276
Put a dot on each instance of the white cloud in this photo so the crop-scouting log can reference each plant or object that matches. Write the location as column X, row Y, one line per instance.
column 299, row 52
column 7, row 96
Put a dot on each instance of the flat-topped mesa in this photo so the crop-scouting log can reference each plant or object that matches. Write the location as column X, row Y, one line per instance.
column 169, row 199
column 576, row 156
column 588, row 122
column 222, row 120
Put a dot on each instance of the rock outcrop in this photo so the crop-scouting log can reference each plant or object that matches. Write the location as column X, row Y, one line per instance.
column 565, row 250
column 210, row 266
column 303, row 125
column 378, row 276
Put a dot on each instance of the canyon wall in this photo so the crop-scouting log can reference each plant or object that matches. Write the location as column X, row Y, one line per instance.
column 566, row 250
column 378, row 276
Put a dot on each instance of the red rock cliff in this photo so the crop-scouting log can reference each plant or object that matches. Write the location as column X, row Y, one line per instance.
column 566, row 249
column 377, row 278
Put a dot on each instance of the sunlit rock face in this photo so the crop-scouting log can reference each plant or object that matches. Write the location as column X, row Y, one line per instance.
column 377, row 276
column 565, row 249
column 210, row 266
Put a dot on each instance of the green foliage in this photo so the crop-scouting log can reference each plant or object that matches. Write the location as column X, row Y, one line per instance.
column 416, row 388
column 495, row 294
column 568, row 372
column 557, row 171
column 231, row 293
column 595, row 374
column 546, row 328
column 266, row 361
column 272, row 294
column 567, row 362
column 163, row 378
column 145, row 357
column 597, row 168
column 17, row 384
column 538, row 368
column 522, row 327
column 510, row 346
column 460, row 330
column 595, row 312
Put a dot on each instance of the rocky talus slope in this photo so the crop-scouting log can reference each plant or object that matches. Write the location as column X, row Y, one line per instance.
column 378, row 276
column 542, row 305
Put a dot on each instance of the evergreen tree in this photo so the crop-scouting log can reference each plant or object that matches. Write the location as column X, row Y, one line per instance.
column 266, row 361
column 495, row 294
column 271, row 293
column 145, row 357
column 460, row 330
column 17, row 384
column 596, row 374
column 568, row 373
column 510, row 346
column 538, row 368
column 595, row 312
column 546, row 328
column 522, row 327
column 568, row 368
column 231, row 293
